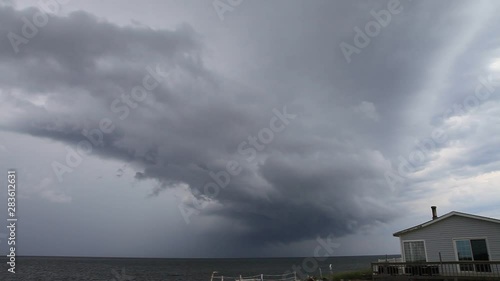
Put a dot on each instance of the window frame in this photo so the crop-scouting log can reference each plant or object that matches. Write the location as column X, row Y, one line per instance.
column 413, row 240
column 469, row 239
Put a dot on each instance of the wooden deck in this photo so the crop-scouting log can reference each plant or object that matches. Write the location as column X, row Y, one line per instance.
column 463, row 270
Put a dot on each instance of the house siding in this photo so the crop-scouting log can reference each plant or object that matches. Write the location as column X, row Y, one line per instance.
column 439, row 237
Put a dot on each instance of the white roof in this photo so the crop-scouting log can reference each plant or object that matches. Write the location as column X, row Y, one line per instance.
column 443, row 217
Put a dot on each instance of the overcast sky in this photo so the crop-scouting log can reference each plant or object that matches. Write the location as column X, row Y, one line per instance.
column 245, row 128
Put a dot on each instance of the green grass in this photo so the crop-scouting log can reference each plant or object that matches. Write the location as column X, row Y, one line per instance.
column 365, row 274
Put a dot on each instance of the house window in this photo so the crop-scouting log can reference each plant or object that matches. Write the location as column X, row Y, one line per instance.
column 473, row 250
column 414, row 251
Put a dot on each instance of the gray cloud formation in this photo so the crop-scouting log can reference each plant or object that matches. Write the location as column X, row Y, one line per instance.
column 324, row 174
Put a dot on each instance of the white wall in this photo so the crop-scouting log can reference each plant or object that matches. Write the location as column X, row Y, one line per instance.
column 439, row 237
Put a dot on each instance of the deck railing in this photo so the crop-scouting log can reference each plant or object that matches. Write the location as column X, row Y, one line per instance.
column 260, row 277
column 457, row 270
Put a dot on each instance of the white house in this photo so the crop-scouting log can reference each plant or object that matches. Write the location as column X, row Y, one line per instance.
column 452, row 237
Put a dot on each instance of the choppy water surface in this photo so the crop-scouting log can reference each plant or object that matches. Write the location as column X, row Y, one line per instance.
column 122, row 269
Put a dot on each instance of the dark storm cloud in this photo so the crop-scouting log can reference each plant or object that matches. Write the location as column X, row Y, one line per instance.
column 311, row 195
column 323, row 174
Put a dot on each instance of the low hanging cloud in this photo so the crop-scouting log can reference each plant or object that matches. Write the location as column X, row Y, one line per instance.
column 307, row 161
